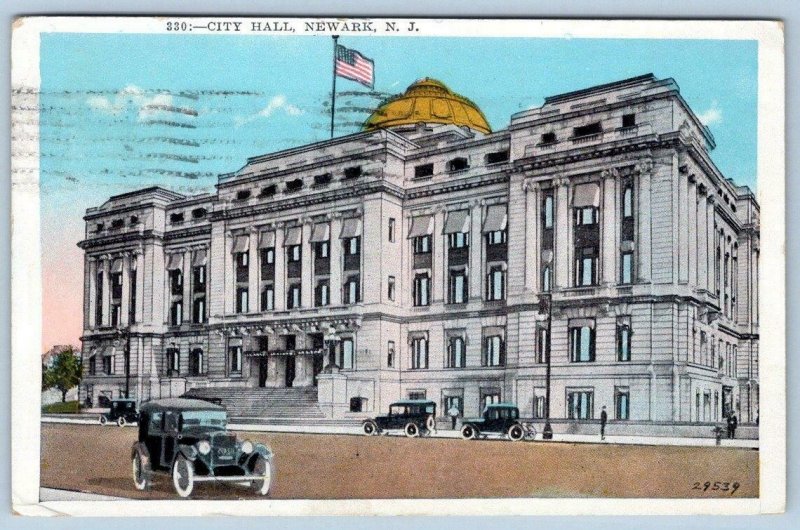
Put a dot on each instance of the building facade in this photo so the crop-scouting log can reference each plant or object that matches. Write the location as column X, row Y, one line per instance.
column 427, row 256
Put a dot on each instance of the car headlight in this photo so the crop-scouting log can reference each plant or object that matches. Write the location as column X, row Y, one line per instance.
column 203, row 447
column 247, row 447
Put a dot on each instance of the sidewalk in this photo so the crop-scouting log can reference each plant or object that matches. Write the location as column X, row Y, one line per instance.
column 355, row 430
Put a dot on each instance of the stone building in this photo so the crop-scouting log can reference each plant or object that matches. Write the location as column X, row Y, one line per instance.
column 429, row 256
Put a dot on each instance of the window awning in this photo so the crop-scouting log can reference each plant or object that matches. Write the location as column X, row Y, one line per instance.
column 200, row 258
column 586, row 195
column 321, row 232
column 116, row 266
column 175, row 262
column 457, row 222
column 294, row 236
column 266, row 240
column 496, row 218
column 421, row 226
column 241, row 244
column 351, row 228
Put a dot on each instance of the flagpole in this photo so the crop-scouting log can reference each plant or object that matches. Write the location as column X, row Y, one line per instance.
column 333, row 90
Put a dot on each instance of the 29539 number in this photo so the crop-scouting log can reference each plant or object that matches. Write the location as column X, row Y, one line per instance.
column 716, row 486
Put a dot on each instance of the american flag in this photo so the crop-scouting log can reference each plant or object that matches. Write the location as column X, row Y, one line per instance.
column 352, row 65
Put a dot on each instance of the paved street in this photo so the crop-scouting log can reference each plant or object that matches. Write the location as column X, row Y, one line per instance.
column 95, row 459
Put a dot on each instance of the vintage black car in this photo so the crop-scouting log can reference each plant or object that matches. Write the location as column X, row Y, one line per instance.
column 187, row 438
column 120, row 411
column 498, row 418
column 412, row 416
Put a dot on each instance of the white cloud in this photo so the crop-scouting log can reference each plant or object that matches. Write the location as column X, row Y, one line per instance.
column 277, row 103
column 711, row 115
column 133, row 97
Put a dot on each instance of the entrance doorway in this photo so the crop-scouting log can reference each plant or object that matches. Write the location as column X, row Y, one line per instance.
column 727, row 401
column 289, row 370
column 317, row 343
column 263, row 373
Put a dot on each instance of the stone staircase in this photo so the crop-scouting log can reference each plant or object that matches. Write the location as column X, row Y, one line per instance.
column 279, row 406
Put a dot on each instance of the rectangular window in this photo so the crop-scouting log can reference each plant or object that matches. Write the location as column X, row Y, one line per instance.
column 419, row 353
column 458, row 240
column 242, row 304
column 587, row 130
column 580, row 405
column 547, row 210
column 293, row 296
column 199, row 279
column 390, row 354
column 352, row 246
column 352, row 291
column 456, row 353
column 586, row 267
column 132, row 302
column 347, row 359
column 98, row 307
column 457, row 287
column 457, row 164
column 422, row 290
column 493, row 351
column 321, row 180
column 422, row 244
column 548, row 138
column 268, row 255
column 423, row 170
column 416, row 395
column 627, row 200
column 322, row 294
column 176, row 313
column 173, row 361
column 587, row 216
column 546, row 278
column 628, row 120
column 539, row 410
column 352, row 172
column 93, row 365
column 496, row 284
column 581, row 344
column 391, row 230
column 199, row 310
column 268, row 298
column 497, row 237
column 108, row 366
column 196, row 362
column 176, row 282
column 489, row 397
column 322, row 250
column 542, row 345
column 497, row 157
column 235, row 359
column 294, row 254
column 622, row 403
column 623, row 343
column 626, row 268
column 391, row 288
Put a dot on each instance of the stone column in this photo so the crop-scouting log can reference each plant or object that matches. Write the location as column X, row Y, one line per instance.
column 609, row 249
column 126, row 285
column 187, row 287
column 532, row 265
column 476, row 246
column 139, row 306
column 229, row 291
column 92, row 288
column 643, row 248
column 106, row 266
column 253, row 294
column 438, row 266
column 280, row 269
column 683, row 228
column 562, row 240
column 692, row 214
column 306, row 276
column 712, row 249
column 702, row 236
column 335, row 278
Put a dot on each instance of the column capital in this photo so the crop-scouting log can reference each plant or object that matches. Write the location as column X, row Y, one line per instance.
column 610, row 173
column 530, row 185
column 560, row 182
column 711, row 198
column 644, row 166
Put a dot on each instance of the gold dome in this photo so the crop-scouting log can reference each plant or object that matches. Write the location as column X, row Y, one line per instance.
column 428, row 101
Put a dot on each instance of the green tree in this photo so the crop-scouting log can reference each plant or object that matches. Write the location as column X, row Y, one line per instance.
column 64, row 374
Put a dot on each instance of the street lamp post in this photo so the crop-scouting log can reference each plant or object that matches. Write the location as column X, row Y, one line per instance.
column 546, row 306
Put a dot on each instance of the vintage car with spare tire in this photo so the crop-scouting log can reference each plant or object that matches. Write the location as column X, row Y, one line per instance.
column 412, row 417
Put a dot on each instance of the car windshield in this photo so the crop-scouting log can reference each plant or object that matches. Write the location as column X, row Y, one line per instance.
column 203, row 418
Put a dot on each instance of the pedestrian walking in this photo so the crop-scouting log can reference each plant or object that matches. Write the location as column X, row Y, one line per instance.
column 453, row 412
column 603, row 420
column 729, row 426
column 733, row 422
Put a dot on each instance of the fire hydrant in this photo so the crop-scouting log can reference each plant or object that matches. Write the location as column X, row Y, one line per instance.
column 718, row 434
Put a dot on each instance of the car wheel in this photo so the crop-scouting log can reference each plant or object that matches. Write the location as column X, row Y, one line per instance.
column 183, row 476
column 516, row 432
column 430, row 423
column 103, row 420
column 370, row 428
column 141, row 470
column 411, row 430
column 263, row 468
column 121, row 421
column 468, row 432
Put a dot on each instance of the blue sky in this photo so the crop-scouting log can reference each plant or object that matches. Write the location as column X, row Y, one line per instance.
column 123, row 111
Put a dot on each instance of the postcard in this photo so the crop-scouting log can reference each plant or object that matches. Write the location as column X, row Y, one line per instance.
column 287, row 266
